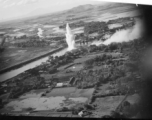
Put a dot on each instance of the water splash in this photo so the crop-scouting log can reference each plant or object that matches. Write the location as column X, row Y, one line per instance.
column 70, row 38
column 40, row 32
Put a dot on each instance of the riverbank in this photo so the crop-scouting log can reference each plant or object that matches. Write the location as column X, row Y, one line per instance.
column 29, row 60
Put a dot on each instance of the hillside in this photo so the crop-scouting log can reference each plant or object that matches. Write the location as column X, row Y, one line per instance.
column 82, row 10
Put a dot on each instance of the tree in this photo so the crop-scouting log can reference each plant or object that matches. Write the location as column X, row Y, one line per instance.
column 88, row 107
column 92, row 27
column 52, row 70
column 34, row 71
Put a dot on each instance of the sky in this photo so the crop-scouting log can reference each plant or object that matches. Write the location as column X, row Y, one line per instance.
column 13, row 9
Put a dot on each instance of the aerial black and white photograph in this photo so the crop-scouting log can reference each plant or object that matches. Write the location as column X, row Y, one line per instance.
column 72, row 58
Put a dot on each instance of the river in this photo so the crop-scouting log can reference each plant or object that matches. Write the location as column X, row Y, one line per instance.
column 15, row 72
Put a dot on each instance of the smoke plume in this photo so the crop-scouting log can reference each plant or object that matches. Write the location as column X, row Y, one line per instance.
column 135, row 32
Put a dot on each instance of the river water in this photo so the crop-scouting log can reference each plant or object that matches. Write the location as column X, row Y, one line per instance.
column 15, row 72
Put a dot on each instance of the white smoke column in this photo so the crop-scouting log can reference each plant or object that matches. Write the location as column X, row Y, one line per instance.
column 40, row 32
column 70, row 38
column 135, row 32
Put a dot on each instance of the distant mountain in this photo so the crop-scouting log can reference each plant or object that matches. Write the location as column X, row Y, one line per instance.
column 89, row 7
column 44, row 14
column 81, row 8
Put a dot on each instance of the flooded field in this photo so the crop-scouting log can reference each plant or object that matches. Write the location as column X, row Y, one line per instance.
column 109, row 15
column 111, row 26
column 57, row 98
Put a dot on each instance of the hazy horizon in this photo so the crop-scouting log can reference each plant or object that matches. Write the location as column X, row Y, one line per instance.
column 17, row 9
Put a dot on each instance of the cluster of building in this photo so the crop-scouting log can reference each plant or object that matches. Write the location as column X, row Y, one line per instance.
column 71, row 82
